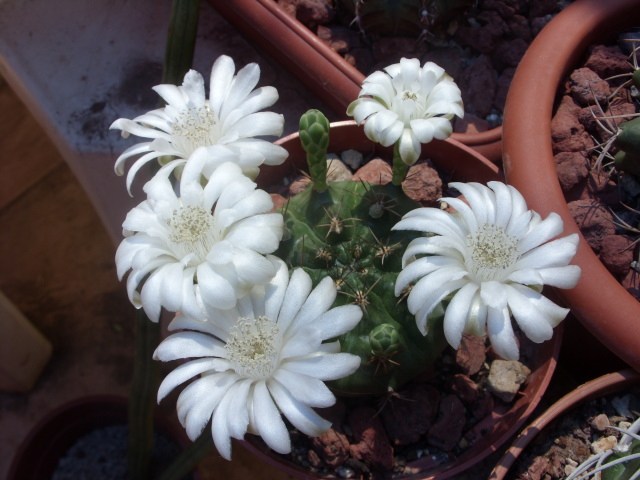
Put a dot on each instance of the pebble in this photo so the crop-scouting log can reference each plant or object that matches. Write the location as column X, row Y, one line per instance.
column 505, row 378
column 600, row 422
column 353, row 158
column 603, row 444
column 345, row 472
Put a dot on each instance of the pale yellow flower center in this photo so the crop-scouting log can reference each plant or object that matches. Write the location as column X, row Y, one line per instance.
column 191, row 231
column 253, row 346
column 195, row 127
column 492, row 253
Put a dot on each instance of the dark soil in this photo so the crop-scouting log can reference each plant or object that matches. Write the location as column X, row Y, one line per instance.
column 479, row 46
column 424, row 427
column 102, row 455
column 567, row 442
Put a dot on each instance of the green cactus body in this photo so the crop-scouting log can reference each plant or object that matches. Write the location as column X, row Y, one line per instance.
column 404, row 17
column 628, row 141
column 628, row 467
column 345, row 232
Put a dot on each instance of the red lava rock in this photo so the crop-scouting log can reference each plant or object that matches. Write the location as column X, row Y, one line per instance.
column 298, row 185
column 337, row 44
column 376, row 171
column 448, row 58
column 314, row 12
column 509, row 52
column 446, row 431
column 340, row 39
column 538, row 469
column 423, row 184
column 504, row 82
column 572, row 169
column 391, row 49
column 607, row 61
column 587, row 87
column 288, row 6
column 332, row 447
column 519, row 27
column 314, row 459
column 594, row 220
column 373, row 444
column 616, row 255
column 478, row 402
column 602, row 188
column 483, row 38
column 409, row 416
column 540, row 8
column 503, row 9
column 471, row 354
column 478, row 85
column 278, row 201
column 567, row 133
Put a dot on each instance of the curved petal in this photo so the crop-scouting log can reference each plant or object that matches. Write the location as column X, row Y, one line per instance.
column 501, row 333
column 268, row 421
column 300, row 415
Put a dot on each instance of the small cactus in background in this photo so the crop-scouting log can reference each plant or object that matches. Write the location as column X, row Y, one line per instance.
column 344, row 231
column 402, row 17
column 627, row 140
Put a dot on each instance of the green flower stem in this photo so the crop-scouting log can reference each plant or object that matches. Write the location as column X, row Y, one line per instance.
column 143, row 397
column 189, row 457
column 181, row 40
column 400, row 168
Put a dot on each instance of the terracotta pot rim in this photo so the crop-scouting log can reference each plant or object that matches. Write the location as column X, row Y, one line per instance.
column 57, row 430
column 349, row 131
column 529, row 162
column 604, row 385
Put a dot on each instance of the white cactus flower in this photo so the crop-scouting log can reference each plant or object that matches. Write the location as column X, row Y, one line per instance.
column 204, row 247
column 221, row 128
column 408, row 105
column 260, row 360
column 494, row 256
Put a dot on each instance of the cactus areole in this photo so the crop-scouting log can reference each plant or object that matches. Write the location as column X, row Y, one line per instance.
column 345, row 232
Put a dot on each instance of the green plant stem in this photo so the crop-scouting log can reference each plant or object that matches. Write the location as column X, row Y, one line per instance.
column 189, row 457
column 400, row 168
column 143, row 396
column 181, row 40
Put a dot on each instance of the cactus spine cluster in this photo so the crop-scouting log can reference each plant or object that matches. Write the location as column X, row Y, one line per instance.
column 343, row 229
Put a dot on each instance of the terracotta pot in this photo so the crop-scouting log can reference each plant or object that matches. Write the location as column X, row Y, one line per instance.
column 604, row 307
column 329, row 76
column 38, row 455
column 601, row 386
column 465, row 165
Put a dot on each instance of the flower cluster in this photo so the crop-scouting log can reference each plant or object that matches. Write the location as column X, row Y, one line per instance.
column 259, row 341
column 201, row 246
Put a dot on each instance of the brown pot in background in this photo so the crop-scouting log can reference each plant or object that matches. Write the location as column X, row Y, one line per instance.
column 39, row 453
column 599, row 302
column 323, row 71
column 599, row 387
column 464, row 164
